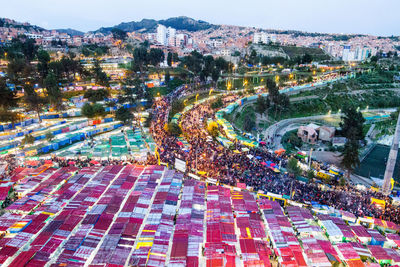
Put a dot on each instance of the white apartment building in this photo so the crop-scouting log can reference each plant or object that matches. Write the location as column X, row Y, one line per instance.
column 263, row 37
column 34, row 36
column 358, row 54
column 161, row 34
column 166, row 36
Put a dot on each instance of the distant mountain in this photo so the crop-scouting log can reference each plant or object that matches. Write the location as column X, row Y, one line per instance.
column 148, row 25
column 69, row 31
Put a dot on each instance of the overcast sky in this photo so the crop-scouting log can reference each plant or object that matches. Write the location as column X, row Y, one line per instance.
column 377, row 17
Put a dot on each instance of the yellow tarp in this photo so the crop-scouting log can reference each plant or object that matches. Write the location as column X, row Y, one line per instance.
column 379, row 202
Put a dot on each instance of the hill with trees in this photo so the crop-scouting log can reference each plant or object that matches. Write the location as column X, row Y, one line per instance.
column 147, row 25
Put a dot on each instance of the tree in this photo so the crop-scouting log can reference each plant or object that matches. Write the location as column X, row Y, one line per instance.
column 43, row 63
column 310, row 175
column 177, row 106
column 273, row 91
column 28, row 139
column 174, row 129
column 350, row 156
column 129, row 94
column 7, row 96
column 96, row 95
column 307, row 58
column 342, row 181
column 167, row 77
column 262, row 104
column 140, row 58
column 293, row 167
column 17, row 68
column 215, row 75
column 249, row 123
column 118, row 34
column 87, row 110
column 221, row 64
column 352, row 123
column 49, row 136
column 98, row 110
column 93, row 110
column 156, row 56
column 218, row 103
column 212, row 129
column 169, row 59
column 99, row 75
column 53, row 90
column 253, row 58
column 33, row 101
column 124, row 115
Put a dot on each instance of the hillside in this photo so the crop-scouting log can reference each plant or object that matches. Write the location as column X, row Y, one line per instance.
column 69, row 31
column 148, row 25
column 9, row 23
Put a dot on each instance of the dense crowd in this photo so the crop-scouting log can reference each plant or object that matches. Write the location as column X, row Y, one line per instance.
column 206, row 156
column 230, row 167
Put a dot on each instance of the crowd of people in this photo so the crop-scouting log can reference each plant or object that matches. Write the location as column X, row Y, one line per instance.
column 229, row 167
column 208, row 157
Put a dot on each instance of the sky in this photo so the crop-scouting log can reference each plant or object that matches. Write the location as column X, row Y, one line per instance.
column 376, row 17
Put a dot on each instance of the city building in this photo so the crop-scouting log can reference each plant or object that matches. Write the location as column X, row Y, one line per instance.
column 161, row 34
column 262, row 37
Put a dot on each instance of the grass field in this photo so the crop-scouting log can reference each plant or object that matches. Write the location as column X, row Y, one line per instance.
column 374, row 164
column 295, row 51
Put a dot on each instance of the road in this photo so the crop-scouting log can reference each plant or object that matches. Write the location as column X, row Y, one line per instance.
column 279, row 128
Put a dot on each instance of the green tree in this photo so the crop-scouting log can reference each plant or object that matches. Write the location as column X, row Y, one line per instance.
column 155, row 56
column 176, row 106
column 167, row 77
column 262, row 104
column 293, row 167
column 310, row 176
column 350, row 156
column 174, row 129
column 118, row 34
column 249, row 123
column 28, row 139
column 215, row 76
column 217, row 103
column 307, row 58
column 352, row 123
column 33, row 101
column 98, row 110
column 124, row 115
column 99, row 75
column 43, row 63
column 169, row 59
column 53, row 90
column 8, row 98
column 140, row 59
column 49, row 136
column 87, row 110
column 96, row 95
